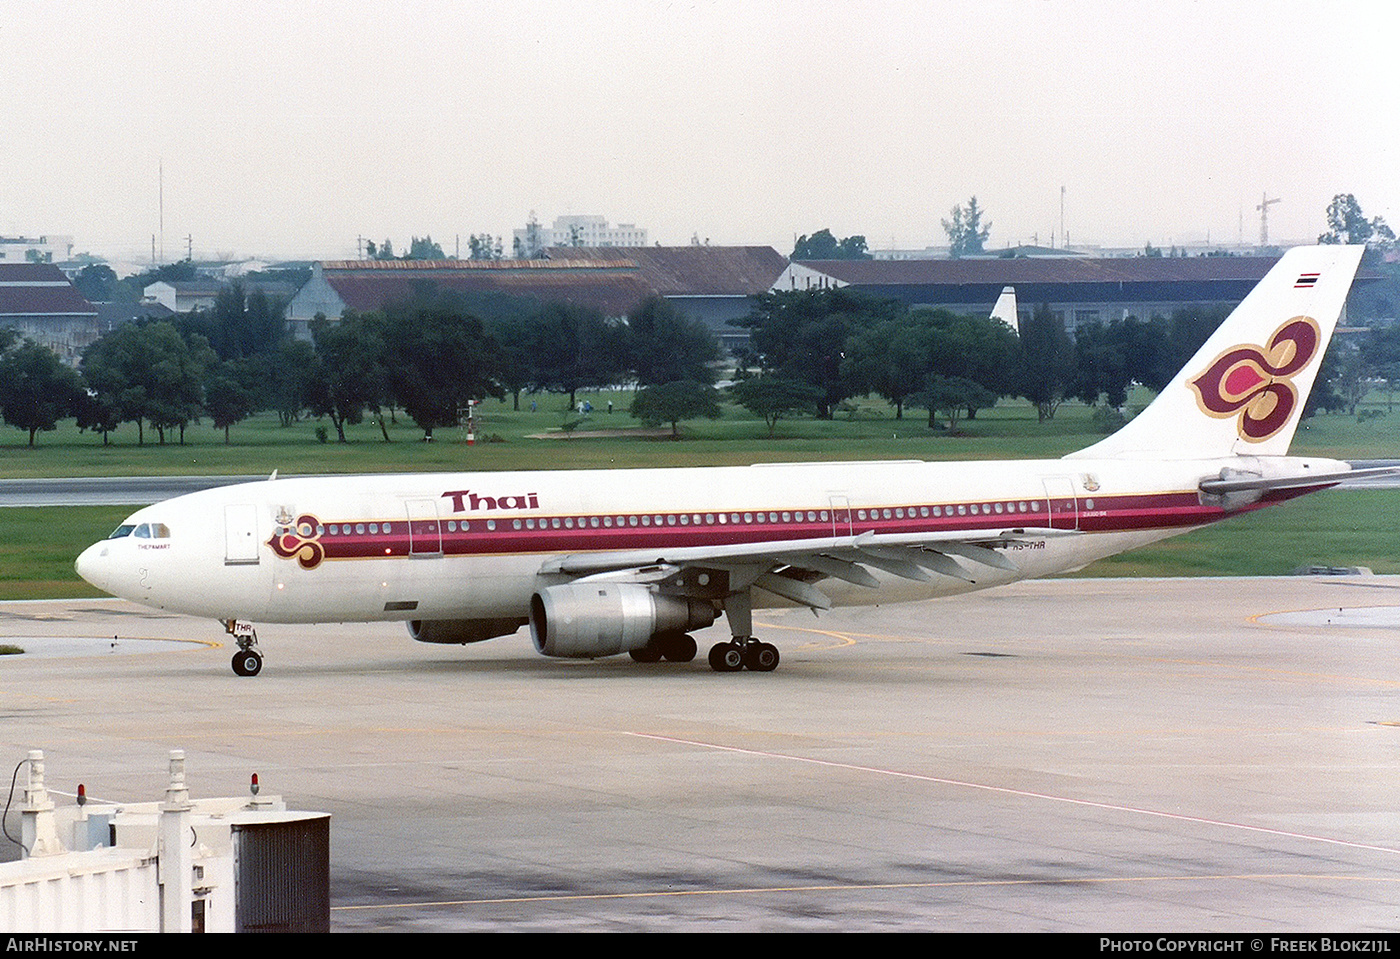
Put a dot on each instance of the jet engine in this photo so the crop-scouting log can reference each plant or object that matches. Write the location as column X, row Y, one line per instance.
column 461, row 631
column 587, row 620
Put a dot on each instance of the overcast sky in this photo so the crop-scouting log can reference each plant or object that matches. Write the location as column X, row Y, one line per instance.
column 291, row 128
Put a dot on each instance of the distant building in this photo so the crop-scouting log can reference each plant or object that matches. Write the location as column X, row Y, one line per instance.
column 363, row 285
column 184, row 296
column 711, row 283
column 43, row 249
column 43, row 305
column 575, row 231
column 1079, row 290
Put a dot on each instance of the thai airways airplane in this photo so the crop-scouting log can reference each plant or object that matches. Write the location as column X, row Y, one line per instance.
column 602, row 562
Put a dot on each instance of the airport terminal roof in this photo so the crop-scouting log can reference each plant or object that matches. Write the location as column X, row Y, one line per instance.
column 371, row 284
column 1026, row 270
column 612, row 279
column 39, row 289
column 693, row 270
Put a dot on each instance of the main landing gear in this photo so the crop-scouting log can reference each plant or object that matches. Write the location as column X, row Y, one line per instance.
column 247, row 661
column 744, row 652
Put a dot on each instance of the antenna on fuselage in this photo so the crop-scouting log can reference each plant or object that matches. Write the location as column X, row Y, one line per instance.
column 272, row 477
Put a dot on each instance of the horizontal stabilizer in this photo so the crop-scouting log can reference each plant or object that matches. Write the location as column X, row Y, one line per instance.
column 1237, row 484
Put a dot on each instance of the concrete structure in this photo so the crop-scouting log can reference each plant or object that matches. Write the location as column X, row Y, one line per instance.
column 179, row 865
column 588, row 230
column 1059, row 755
column 42, row 249
column 39, row 301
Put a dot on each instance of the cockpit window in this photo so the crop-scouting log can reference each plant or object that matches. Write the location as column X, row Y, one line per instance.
column 122, row 531
column 152, row 531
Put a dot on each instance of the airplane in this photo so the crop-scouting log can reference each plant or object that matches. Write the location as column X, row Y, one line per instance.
column 1004, row 309
column 604, row 562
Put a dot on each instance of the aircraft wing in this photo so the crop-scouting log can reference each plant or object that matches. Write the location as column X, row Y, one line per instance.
column 790, row 569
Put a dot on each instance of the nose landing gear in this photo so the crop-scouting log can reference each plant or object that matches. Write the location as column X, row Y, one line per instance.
column 247, row 661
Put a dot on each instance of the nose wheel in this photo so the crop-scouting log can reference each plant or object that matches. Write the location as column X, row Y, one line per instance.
column 247, row 661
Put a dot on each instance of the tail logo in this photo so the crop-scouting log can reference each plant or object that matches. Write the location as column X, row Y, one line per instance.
column 1255, row 384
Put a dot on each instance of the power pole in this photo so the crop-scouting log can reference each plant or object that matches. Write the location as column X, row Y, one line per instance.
column 1064, row 237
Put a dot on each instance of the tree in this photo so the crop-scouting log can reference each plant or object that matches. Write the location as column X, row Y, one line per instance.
column 1347, row 224
column 439, row 357
column 575, row 347
column 773, row 398
column 146, row 372
column 890, row 358
column 665, row 345
column 287, row 378
column 951, row 395
column 822, row 245
column 802, row 335
column 228, row 395
column 349, row 373
column 484, row 247
column 1047, row 362
column 673, row 402
column 966, row 231
column 36, row 389
column 423, row 248
column 97, row 282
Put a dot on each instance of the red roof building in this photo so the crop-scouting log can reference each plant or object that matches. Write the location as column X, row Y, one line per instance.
column 39, row 301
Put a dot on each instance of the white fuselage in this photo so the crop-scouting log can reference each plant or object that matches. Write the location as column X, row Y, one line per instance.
column 478, row 545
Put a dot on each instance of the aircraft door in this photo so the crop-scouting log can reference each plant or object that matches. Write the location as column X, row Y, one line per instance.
column 841, row 516
column 424, row 529
column 1062, row 504
column 241, row 535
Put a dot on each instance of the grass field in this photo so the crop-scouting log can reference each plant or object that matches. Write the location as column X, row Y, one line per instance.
column 37, row 545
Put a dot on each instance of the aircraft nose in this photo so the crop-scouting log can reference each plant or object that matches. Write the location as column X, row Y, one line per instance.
column 92, row 565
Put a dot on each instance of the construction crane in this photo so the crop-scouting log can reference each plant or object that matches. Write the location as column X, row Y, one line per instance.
column 1263, row 209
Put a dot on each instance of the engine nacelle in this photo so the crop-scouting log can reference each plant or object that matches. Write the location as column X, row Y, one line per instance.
column 461, row 631
column 588, row 620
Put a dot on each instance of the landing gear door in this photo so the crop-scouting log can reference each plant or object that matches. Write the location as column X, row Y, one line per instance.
column 241, row 535
column 424, row 529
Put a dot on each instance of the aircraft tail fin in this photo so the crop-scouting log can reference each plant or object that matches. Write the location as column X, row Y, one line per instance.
column 1244, row 390
column 1005, row 308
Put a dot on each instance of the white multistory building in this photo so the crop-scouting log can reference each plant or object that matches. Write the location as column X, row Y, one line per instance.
column 36, row 249
column 576, row 231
